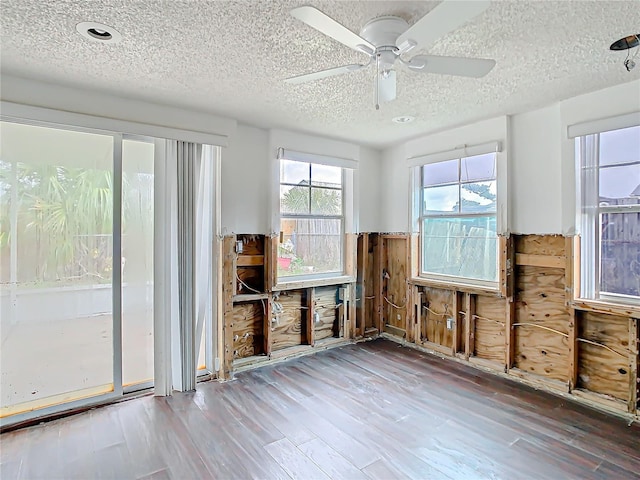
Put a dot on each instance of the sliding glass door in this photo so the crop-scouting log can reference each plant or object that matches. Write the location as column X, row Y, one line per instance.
column 137, row 263
column 76, row 266
column 56, row 254
column 77, row 210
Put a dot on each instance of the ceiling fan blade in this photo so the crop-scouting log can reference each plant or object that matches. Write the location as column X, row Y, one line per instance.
column 446, row 17
column 386, row 87
column 310, row 77
column 464, row 67
column 327, row 25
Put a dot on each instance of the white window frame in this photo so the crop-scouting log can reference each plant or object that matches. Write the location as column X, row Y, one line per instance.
column 349, row 169
column 588, row 209
column 416, row 163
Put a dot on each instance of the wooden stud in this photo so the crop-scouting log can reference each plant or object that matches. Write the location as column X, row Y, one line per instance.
column 410, row 312
column 568, row 270
column 266, row 326
column 350, row 254
column 509, row 334
column 417, row 308
column 414, row 256
column 228, row 290
column 271, row 263
column 351, row 316
column 573, row 349
column 378, row 284
column 363, row 259
column 551, row 261
column 634, row 374
column 250, row 260
column 456, row 316
column 311, row 306
column 470, row 325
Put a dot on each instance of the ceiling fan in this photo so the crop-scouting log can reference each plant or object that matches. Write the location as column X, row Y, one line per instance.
column 385, row 39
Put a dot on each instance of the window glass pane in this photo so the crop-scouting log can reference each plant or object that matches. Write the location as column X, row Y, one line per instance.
column 294, row 200
column 480, row 167
column 441, row 199
column 294, row 172
column 478, row 197
column 137, row 262
column 439, row 173
column 619, row 183
column 620, row 253
column 310, row 246
column 620, row 146
column 325, row 201
column 325, row 176
column 56, row 254
column 464, row 247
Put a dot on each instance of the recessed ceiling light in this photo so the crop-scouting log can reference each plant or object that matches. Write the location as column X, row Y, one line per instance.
column 626, row 43
column 98, row 32
column 403, row 119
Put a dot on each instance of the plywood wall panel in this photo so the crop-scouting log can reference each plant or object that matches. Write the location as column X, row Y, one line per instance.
column 601, row 370
column 490, row 330
column 434, row 320
column 289, row 330
column 540, row 300
column 325, row 301
column 396, row 283
column 247, row 323
column 540, row 244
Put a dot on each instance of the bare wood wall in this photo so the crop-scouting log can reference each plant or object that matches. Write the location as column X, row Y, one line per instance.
column 531, row 329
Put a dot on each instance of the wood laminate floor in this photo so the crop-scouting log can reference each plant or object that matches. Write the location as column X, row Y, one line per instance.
column 372, row 410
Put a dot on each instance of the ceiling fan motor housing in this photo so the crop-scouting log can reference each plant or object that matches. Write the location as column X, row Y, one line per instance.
column 383, row 33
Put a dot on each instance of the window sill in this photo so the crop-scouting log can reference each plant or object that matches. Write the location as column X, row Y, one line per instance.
column 314, row 282
column 457, row 286
column 611, row 308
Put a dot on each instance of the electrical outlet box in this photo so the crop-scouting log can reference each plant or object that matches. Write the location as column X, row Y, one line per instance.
column 399, row 317
column 449, row 323
column 239, row 246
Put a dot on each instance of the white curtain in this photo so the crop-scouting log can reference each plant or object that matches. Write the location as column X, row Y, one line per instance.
column 183, row 259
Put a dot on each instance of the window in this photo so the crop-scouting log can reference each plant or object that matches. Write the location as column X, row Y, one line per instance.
column 311, row 219
column 609, row 214
column 457, row 222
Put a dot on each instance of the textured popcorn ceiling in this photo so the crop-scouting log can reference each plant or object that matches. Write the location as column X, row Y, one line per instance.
column 230, row 57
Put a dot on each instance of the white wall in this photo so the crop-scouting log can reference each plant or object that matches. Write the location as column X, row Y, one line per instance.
column 541, row 160
column 65, row 99
column 536, row 172
column 245, row 182
column 394, row 190
column 369, row 193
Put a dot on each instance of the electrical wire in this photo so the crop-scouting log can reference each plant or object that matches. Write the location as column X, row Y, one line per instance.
column 598, row 344
column 566, row 335
column 393, row 304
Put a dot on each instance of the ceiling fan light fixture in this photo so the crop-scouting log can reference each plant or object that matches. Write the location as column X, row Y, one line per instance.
column 403, row 119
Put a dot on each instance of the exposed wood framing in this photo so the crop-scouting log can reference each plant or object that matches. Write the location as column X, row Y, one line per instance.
column 311, row 309
column 351, row 315
column 457, row 305
column 228, row 291
column 470, row 324
column 362, row 282
column 417, row 313
column 378, row 284
column 634, row 380
column 551, row 261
